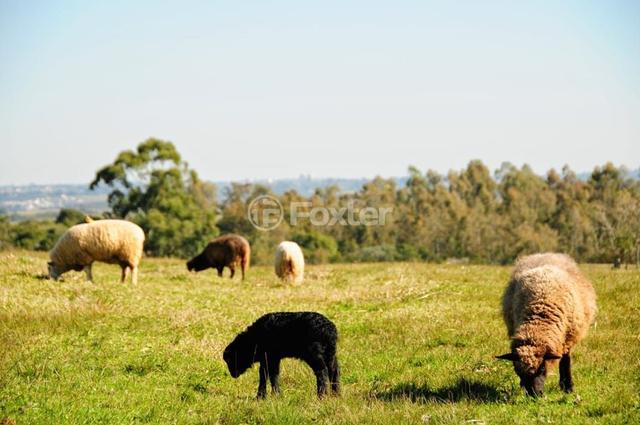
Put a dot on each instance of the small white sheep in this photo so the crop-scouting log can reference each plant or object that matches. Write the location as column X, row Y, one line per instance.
column 548, row 307
column 110, row 241
column 289, row 262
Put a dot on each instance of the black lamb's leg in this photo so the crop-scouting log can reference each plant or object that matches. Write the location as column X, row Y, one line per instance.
column 220, row 271
column 566, row 382
column 334, row 375
column 233, row 271
column 274, row 374
column 322, row 374
column 262, row 386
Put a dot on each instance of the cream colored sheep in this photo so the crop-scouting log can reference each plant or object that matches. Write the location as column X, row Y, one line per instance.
column 110, row 241
column 289, row 262
column 548, row 307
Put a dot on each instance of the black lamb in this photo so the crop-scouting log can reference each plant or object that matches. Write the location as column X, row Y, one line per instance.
column 307, row 336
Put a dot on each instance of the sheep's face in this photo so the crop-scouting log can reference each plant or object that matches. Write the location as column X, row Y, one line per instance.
column 54, row 270
column 531, row 367
column 240, row 354
column 197, row 263
column 532, row 380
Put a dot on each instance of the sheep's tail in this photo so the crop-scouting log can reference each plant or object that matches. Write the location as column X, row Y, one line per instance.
column 291, row 265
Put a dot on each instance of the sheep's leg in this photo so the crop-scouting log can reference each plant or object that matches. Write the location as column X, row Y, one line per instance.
column 233, row 271
column 274, row 374
column 87, row 270
column 262, row 386
column 125, row 272
column 134, row 275
column 566, row 382
column 220, row 271
column 322, row 374
column 243, row 264
column 334, row 375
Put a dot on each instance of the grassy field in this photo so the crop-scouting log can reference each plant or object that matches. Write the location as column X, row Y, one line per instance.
column 416, row 346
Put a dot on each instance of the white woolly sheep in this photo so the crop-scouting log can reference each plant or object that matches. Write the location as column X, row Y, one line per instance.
column 548, row 307
column 110, row 241
column 289, row 262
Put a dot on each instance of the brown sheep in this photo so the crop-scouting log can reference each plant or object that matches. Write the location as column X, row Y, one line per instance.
column 548, row 307
column 225, row 251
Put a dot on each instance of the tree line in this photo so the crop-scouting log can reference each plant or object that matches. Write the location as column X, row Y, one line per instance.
column 469, row 215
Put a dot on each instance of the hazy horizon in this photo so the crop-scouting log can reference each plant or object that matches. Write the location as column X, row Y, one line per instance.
column 253, row 91
column 633, row 172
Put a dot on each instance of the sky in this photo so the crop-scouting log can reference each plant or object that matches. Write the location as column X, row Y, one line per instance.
column 276, row 89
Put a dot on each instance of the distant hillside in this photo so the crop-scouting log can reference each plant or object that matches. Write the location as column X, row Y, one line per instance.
column 306, row 185
column 40, row 201
column 44, row 201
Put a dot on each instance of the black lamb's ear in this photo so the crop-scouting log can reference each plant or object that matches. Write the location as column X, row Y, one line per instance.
column 512, row 357
column 551, row 356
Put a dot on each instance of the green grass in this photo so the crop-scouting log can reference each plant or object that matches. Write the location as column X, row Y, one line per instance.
column 416, row 346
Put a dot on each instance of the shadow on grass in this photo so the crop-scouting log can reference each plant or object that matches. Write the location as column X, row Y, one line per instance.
column 461, row 390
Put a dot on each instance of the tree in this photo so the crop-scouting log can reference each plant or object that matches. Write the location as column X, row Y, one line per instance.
column 571, row 216
column 35, row 235
column 615, row 213
column 528, row 205
column 318, row 247
column 154, row 188
column 70, row 217
column 234, row 208
column 5, row 228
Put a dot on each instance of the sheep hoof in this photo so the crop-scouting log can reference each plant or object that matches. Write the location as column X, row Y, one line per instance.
column 566, row 387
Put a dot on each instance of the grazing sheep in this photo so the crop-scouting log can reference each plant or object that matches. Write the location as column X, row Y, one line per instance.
column 307, row 336
column 289, row 262
column 225, row 251
column 548, row 307
column 110, row 241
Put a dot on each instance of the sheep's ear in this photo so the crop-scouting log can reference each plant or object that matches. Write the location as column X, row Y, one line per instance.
column 551, row 356
column 512, row 357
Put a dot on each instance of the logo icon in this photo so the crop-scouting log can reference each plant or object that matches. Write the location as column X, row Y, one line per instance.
column 265, row 212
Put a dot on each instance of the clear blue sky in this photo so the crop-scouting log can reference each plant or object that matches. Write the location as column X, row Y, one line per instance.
column 271, row 89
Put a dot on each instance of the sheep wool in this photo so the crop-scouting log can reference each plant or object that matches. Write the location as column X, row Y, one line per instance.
column 226, row 251
column 109, row 241
column 289, row 262
column 307, row 335
column 547, row 307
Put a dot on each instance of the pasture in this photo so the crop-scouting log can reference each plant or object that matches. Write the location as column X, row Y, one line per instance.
column 416, row 345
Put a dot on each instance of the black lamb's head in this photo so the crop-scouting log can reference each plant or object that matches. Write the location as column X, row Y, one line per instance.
column 530, row 364
column 240, row 354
